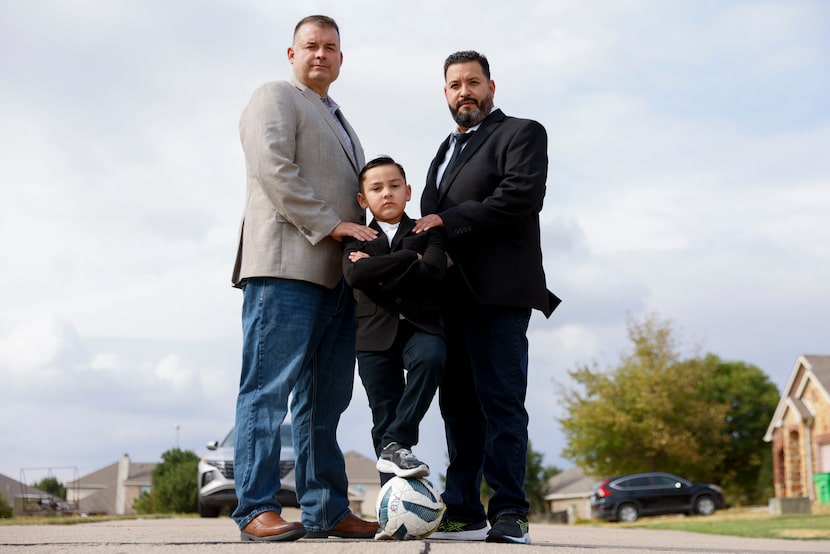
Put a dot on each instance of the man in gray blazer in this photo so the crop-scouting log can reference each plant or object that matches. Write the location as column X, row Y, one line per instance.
column 298, row 316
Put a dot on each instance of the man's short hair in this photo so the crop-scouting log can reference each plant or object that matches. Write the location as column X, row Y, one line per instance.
column 467, row 56
column 320, row 21
column 377, row 162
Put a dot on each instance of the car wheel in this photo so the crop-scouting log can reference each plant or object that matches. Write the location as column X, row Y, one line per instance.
column 705, row 505
column 209, row 511
column 628, row 512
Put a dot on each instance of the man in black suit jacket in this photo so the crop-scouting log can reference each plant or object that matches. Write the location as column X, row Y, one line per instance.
column 488, row 201
column 396, row 278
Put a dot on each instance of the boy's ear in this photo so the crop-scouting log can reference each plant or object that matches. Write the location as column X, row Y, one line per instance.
column 362, row 201
column 408, row 192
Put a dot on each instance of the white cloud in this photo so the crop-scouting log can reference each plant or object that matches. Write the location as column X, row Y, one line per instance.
column 171, row 370
column 37, row 345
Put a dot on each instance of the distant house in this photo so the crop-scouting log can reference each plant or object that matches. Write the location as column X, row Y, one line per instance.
column 22, row 498
column 800, row 429
column 364, row 483
column 112, row 490
column 569, row 493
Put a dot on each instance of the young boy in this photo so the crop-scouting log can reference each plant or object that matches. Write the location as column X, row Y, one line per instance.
column 396, row 278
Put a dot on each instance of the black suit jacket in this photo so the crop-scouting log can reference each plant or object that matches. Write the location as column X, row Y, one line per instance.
column 392, row 282
column 490, row 206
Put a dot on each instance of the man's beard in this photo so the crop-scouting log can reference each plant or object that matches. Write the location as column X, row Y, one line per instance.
column 472, row 118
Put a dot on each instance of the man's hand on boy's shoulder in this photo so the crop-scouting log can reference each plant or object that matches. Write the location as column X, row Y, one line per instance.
column 427, row 222
column 348, row 229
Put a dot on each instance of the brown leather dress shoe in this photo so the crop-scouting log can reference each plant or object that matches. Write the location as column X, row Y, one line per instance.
column 352, row 527
column 269, row 526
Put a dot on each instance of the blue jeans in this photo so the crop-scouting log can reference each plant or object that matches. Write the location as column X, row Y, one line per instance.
column 482, row 400
column 297, row 337
column 398, row 405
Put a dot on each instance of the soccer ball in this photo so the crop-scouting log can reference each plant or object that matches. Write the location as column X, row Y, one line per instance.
column 408, row 508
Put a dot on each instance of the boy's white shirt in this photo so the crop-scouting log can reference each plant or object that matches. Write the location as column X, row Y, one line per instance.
column 389, row 229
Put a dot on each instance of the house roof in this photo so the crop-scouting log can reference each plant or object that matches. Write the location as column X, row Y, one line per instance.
column 11, row 488
column 360, row 469
column 571, row 483
column 799, row 406
column 101, row 502
column 808, row 368
column 140, row 473
column 105, row 480
column 820, row 366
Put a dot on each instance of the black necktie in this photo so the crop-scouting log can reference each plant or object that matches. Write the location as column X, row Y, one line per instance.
column 460, row 139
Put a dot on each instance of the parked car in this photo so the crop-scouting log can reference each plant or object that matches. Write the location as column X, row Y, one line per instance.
column 216, row 485
column 627, row 497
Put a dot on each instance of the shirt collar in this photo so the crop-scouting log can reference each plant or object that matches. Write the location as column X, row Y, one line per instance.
column 329, row 101
column 389, row 229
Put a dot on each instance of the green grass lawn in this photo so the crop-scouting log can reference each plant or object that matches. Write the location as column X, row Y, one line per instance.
column 747, row 522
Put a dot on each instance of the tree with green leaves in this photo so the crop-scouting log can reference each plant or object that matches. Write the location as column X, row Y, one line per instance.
column 751, row 399
column 698, row 417
column 174, row 487
column 52, row 486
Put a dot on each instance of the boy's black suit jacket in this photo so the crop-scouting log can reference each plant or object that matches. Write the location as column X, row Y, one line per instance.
column 393, row 282
column 490, row 206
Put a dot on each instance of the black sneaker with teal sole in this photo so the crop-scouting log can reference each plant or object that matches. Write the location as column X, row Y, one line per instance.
column 449, row 530
column 398, row 459
column 509, row 528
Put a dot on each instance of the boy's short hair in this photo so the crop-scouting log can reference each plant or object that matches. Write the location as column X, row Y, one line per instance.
column 377, row 162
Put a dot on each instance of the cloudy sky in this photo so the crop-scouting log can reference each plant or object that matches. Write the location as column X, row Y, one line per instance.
column 689, row 177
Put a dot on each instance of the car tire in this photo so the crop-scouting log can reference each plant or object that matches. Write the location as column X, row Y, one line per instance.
column 628, row 512
column 209, row 511
column 705, row 505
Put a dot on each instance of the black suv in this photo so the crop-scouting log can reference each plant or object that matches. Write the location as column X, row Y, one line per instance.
column 627, row 497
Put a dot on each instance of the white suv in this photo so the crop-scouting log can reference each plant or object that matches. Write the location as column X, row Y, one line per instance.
column 216, row 486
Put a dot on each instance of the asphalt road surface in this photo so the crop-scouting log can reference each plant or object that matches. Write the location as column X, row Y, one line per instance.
column 185, row 535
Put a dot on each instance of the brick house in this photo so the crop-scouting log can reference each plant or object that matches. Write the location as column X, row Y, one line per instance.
column 800, row 429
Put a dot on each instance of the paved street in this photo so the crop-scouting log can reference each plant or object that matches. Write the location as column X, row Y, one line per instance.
column 184, row 535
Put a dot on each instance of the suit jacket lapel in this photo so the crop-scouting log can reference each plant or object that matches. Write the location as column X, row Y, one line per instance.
column 430, row 194
column 472, row 145
column 404, row 227
column 380, row 244
column 357, row 156
column 318, row 103
column 479, row 136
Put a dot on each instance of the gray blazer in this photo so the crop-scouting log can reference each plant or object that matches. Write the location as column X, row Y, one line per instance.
column 301, row 182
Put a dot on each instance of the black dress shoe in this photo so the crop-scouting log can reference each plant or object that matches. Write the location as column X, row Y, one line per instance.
column 352, row 527
column 269, row 526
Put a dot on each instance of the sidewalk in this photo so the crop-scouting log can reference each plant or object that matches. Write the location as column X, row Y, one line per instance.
column 186, row 535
